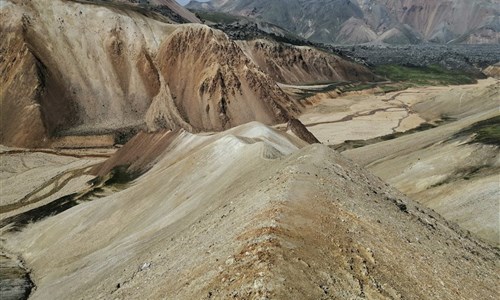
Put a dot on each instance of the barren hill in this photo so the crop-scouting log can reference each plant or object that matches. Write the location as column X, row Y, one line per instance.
column 249, row 215
column 78, row 68
column 207, row 201
column 302, row 64
column 391, row 21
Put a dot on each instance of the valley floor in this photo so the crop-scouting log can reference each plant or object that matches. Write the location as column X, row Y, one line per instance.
column 417, row 140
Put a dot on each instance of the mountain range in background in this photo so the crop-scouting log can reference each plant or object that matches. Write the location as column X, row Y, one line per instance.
column 373, row 21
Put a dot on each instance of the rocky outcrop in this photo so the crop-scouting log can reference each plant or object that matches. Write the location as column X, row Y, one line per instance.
column 301, row 131
column 468, row 58
column 302, row 64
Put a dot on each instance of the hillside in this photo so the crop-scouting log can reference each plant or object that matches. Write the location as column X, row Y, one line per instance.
column 122, row 73
column 145, row 155
column 252, row 213
column 389, row 21
column 302, row 64
column 437, row 144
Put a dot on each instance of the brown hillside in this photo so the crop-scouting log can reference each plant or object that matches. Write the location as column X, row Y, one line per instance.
column 71, row 68
column 214, row 85
column 293, row 64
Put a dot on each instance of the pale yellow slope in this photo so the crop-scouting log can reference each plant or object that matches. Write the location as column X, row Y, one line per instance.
column 247, row 214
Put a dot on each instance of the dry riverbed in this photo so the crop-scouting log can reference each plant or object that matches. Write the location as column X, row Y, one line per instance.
column 363, row 116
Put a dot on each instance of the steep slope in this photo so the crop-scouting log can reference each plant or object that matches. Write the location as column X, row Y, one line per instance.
column 301, row 64
column 249, row 215
column 391, row 21
column 20, row 120
column 168, row 8
column 216, row 86
column 116, row 74
column 443, row 21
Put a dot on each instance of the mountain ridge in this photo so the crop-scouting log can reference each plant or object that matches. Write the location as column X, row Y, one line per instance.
column 389, row 21
column 256, row 215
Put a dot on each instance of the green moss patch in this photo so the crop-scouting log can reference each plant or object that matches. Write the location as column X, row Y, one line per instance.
column 485, row 132
column 418, row 76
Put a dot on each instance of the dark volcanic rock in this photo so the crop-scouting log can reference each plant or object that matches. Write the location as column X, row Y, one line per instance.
column 456, row 57
column 15, row 283
column 301, row 131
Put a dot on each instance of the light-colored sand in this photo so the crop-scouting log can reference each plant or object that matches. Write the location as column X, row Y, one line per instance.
column 31, row 179
column 365, row 116
column 355, row 117
column 460, row 181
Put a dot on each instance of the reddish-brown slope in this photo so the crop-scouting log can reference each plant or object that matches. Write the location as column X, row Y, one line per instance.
column 20, row 120
column 138, row 155
column 214, row 85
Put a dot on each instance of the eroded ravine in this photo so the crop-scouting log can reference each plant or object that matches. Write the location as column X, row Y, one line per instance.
column 15, row 280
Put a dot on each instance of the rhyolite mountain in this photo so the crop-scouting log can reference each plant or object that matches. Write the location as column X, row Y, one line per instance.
column 181, row 211
column 100, row 67
column 87, row 68
column 362, row 21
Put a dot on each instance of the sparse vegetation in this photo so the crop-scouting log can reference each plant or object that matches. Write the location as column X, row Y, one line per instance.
column 352, row 144
column 431, row 75
column 342, row 87
column 485, row 132
column 357, row 87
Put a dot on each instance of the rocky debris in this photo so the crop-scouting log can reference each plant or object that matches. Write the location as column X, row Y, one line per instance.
column 471, row 58
column 145, row 266
column 493, row 71
column 250, row 30
column 301, row 131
